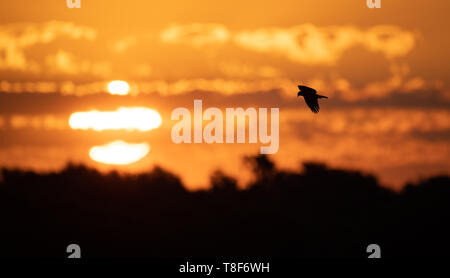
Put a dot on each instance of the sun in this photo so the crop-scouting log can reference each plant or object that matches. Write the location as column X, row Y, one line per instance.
column 118, row 87
column 128, row 118
column 119, row 153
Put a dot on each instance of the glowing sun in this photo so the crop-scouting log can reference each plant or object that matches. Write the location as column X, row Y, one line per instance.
column 128, row 118
column 118, row 87
column 119, row 152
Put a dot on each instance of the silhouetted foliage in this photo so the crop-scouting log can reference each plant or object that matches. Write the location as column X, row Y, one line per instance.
column 317, row 212
column 222, row 183
column 261, row 166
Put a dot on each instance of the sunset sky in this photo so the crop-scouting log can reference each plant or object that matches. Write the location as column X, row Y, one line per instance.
column 386, row 72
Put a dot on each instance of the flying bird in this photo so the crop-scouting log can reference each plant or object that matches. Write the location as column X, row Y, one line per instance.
column 311, row 97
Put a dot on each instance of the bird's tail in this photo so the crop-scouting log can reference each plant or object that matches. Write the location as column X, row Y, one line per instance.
column 320, row 96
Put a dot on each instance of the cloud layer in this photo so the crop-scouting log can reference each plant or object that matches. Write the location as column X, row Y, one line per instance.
column 17, row 38
column 305, row 44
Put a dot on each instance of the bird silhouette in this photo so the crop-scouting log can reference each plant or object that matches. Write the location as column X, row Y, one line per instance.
column 311, row 97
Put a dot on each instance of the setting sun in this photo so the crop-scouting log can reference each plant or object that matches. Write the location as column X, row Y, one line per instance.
column 132, row 118
column 118, row 87
column 119, row 152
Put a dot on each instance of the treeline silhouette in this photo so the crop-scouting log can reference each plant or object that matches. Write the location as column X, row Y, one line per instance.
column 317, row 212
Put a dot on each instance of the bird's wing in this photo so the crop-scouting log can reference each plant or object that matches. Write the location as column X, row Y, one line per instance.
column 311, row 101
column 307, row 90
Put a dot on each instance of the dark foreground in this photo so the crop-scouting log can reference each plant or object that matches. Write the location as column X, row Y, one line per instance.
column 316, row 213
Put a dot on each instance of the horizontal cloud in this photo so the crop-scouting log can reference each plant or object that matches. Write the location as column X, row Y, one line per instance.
column 67, row 63
column 310, row 44
column 15, row 39
column 38, row 122
column 124, row 44
column 307, row 43
column 378, row 140
column 336, row 87
column 248, row 71
column 352, row 121
column 372, row 121
column 28, row 87
column 196, row 34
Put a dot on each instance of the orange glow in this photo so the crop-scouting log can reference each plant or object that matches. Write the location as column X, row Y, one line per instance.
column 118, row 87
column 72, row 79
column 133, row 118
column 119, row 153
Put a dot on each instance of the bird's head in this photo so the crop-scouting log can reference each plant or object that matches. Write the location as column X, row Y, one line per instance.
column 299, row 93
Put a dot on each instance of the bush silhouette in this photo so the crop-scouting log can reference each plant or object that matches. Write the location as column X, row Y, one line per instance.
column 317, row 212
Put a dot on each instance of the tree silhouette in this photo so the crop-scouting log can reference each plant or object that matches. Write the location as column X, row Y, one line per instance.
column 316, row 212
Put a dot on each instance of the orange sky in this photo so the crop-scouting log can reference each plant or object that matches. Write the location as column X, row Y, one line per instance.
column 385, row 70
